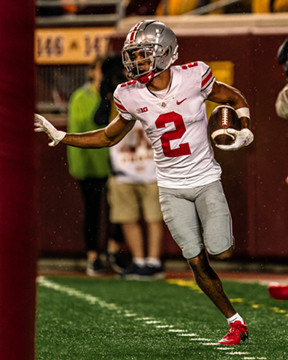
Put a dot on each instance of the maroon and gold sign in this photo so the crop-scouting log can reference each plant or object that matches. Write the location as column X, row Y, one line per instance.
column 71, row 46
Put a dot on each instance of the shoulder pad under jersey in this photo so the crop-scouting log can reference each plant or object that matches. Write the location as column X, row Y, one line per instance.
column 189, row 65
column 128, row 83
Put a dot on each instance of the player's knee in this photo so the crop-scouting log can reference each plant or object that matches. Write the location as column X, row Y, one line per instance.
column 219, row 254
column 224, row 255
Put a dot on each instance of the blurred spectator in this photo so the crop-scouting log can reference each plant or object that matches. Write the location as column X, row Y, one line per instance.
column 116, row 259
column 90, row 167
column 132, row 7
column 133, row 191
column 141, row 8
column 240, row 7
column 281, row 104
column 113, row 74
column 269, row 6
column 49, row 10
column 179, row 7
column 133, row 195
column 69, row 9
column 176, row 7
column 82, row 8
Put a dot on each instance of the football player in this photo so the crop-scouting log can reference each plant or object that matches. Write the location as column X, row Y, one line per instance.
column 169, row 102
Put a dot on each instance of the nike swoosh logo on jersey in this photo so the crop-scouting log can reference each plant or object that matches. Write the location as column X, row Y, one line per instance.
column 180, row 102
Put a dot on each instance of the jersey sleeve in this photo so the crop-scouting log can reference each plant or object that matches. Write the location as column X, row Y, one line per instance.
column 207, row 79
column 122, row 110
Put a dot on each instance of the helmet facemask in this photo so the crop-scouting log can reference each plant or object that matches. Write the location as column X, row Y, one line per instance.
column 135, row 58
column 157, row 46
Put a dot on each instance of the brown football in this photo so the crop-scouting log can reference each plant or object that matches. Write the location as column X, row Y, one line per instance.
column 222, row 118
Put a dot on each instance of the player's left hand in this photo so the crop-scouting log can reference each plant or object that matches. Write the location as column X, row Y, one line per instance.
column 244, row 137
column 43, row 125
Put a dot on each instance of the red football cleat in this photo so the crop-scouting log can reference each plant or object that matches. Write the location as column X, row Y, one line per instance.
column 237, row 332
column 278, row 292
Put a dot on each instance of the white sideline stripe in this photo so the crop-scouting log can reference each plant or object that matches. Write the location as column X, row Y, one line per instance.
column 238, row 353
column 214, row 344
column 177, row 330
column 110, row 306
column 95, row 300
column 78, row 294
column 164, row 326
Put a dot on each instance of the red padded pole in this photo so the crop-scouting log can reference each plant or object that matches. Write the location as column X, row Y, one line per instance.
column 18, row 249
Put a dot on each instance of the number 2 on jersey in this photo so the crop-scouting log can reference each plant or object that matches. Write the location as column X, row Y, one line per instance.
column 180, row 129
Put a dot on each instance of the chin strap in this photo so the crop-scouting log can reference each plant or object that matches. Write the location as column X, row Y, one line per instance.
column 146, row 78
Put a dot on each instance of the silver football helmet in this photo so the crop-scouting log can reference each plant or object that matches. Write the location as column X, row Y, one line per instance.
column 156, row 43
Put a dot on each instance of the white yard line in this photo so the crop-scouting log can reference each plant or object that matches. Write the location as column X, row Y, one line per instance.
column 94, row 300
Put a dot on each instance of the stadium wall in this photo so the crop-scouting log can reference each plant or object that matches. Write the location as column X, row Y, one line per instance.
column 253, row 178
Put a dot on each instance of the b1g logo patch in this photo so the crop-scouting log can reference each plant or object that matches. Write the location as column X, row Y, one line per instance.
column 142, row 110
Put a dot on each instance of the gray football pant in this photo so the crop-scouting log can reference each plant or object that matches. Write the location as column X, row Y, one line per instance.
column 198, row 218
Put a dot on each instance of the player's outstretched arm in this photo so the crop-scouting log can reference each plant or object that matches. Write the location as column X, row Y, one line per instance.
column 223, row 94
column 108, row 136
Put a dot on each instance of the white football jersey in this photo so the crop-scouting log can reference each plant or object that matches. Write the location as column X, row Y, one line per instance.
column 176, row 125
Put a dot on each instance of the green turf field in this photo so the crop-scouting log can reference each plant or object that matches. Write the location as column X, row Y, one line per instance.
column 80, row 318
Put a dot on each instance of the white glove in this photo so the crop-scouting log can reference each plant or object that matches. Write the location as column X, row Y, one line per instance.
column 244, row 137
column 43, row 125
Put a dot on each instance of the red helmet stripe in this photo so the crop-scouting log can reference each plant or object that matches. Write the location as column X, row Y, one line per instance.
column 132, row 36
column 137, row 26
column 133, row 33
